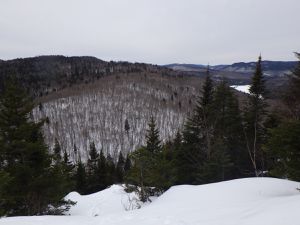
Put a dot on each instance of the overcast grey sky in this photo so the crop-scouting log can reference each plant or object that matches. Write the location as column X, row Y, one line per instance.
column 153, row 31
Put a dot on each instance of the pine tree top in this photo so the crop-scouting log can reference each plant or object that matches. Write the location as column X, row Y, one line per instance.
column 257, row 87
column 153, row 143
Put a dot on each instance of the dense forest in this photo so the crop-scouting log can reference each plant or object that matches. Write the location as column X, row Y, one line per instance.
column 220, row 139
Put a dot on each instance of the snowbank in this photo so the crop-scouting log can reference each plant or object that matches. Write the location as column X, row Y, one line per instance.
column 108, row 201
column 259, row 201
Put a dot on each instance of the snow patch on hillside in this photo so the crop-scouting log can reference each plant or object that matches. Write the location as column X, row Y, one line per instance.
column 242, row 88
column 259, row 201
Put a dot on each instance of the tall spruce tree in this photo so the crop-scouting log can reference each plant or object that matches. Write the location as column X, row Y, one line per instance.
column 145, row 171
column 92, row 170
column 254, row 115
column 228, row 130
column 25, row 158
column 227, row 155
column 153, row 143
column 102, row 171
column 81, row 178
column 197, row 136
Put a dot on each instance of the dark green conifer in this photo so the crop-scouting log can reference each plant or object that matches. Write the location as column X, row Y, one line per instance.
column 25, row 158
column 57, row 150
column 254, row 115
column 81, row 178
column 153, row 144
column 92, row 170
column 120, row 169
column 197, row 136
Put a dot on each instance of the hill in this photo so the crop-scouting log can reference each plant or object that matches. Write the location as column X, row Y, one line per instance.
column 98, row 111
column 45, row 74
column 89, row 100
column 240, row 73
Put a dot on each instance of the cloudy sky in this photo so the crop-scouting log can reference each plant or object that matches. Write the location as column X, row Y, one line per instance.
column 153, row 31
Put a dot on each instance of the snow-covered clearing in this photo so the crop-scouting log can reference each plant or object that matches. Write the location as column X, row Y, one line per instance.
column 259, row 201
column 242, row 88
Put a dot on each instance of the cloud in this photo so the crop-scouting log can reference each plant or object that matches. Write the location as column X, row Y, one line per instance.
column 157, row 31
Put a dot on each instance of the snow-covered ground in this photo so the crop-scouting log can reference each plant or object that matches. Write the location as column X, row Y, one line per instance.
column 242, row 88
column 259, row 201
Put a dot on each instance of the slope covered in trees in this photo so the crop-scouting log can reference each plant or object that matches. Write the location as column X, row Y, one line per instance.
column 114, row 111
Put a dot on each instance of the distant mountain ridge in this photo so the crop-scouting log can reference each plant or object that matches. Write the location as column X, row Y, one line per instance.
column 45, row 74
column 271, row 68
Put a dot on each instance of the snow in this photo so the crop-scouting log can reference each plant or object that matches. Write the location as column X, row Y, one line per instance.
column 109, row 201
column 259, row 201
column 242, row 88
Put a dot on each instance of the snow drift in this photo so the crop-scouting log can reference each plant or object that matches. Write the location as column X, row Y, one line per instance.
column 238, row 202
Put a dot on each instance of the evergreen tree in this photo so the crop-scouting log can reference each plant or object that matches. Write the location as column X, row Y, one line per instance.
column 57, row 150
column 127, row 127
column 283, row 147
column 204, row 116
column 92, row 179
column 197, row 136
column 80, row 177
column 253, row 120
column 4, row 181
column 110, row 168
column 163, row 174
column 25, row 158
column 120, row 169
column 228, row 130
column 177, row 155
column 292, row 94
column 102, row 171
column 145, row 171
column 127, row 165
column 139, row 174
column 68, row 168
column 93, row 154
column 217, row 167
column 153, row 144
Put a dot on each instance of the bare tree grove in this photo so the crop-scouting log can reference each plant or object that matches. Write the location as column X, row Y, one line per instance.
column 97, row 111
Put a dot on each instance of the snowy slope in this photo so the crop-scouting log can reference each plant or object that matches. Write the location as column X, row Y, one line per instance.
column 97, row 112
column 259, row 201
column 242, row 88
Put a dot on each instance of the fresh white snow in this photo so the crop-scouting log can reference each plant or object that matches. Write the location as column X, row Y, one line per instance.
column 109, row 201
column 259, row 201
column 242, row 88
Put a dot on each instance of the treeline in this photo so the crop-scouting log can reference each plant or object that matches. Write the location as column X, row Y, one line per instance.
column 99, row 172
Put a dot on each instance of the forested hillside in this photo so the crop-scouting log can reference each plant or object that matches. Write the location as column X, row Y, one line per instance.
column 113, row 112
column 45, row 74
